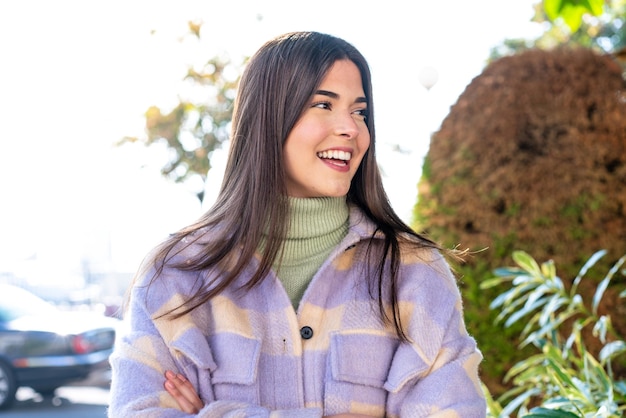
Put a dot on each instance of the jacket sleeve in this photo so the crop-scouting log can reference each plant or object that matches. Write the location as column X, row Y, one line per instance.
column 436, row 373
column 145, row 351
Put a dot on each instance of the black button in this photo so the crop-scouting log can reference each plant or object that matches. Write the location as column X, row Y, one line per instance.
column 306, row 332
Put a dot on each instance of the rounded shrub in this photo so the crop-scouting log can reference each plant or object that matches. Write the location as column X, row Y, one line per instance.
column 531, row 157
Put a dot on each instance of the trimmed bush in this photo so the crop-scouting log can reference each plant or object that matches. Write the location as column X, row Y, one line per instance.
column 532, row 157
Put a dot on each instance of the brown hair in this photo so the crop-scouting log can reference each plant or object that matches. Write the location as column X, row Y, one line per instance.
column 274, row 90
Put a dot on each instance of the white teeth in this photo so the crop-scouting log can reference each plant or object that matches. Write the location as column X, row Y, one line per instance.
column 335, row 155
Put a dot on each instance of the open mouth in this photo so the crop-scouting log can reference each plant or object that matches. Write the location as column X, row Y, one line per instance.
column 335, row 156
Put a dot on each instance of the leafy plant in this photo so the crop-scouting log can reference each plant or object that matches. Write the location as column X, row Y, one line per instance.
column 572, row 11
column 565, row 378
column 199, row 124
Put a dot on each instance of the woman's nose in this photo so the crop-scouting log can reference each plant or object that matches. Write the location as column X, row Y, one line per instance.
column 346, row 125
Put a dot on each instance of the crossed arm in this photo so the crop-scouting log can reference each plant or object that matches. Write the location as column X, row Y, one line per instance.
column 182, row 390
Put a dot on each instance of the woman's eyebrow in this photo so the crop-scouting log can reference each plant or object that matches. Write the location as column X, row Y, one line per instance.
column 327, row 93
column 334, row 95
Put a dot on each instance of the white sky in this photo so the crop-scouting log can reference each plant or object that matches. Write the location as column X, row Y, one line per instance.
column 76, row 76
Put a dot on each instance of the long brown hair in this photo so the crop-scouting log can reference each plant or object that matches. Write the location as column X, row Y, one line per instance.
column 274, row 90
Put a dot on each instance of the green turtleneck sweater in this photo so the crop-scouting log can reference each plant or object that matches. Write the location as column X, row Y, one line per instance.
column 316, row 227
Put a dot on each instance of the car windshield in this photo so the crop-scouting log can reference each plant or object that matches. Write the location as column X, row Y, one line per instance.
column 16, row 302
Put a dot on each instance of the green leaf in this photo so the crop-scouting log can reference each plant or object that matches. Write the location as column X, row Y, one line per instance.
column 597, row 296
column 596, row 378
column 620, row 387
column 510, row 307
column 531, row 324
column 518, row 401
column 552, row 307
column 531, row 363
column 528, row 308
column 540, row 412
column 577, row 302
column 595, row 7
column 569, row 342
column 536, row 294
column 510, row 394
column 601, row 328
column 559, row 402
column 602, row 377
column 511, row 295
column 572, row 11
column 493, row 406
column 590, row 263
column 611, row 350
column 564, row 378
column 552, row 8
column 493, row 282
column 507, row 272
column 582, row 389
column 527, row 278
column 525, row 261
column 548, row 269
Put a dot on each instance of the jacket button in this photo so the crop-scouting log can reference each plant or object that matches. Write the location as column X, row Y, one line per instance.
column 306, row 332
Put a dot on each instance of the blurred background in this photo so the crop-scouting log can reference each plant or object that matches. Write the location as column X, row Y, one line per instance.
column 78, row 212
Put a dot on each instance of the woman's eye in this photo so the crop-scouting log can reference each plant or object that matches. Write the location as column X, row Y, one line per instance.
column 361, row 112
column 321, row 105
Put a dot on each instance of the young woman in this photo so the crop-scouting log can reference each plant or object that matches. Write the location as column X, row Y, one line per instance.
column 300, row 293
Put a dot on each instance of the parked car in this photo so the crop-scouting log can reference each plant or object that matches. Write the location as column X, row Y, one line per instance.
column 43, row 347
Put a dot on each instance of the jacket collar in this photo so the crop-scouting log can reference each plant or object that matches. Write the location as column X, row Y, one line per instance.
column 361, row 228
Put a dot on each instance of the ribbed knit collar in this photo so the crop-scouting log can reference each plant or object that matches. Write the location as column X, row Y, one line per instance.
column 316, row 226
column 316, row 216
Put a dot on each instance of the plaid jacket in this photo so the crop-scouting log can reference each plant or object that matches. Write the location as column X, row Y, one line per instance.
column 248, row 353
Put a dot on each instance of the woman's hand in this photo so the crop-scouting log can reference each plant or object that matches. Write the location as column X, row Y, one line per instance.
column 181, row 389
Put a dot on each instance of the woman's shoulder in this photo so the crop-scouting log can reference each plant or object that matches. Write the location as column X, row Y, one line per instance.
column 427, row 267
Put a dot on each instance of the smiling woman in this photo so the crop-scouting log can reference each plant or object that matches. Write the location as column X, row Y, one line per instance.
column 300, row 292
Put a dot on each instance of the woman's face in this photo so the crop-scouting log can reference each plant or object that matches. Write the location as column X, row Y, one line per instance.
column 325, row 147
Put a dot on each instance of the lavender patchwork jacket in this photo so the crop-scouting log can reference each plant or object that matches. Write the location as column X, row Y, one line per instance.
column 249, row 354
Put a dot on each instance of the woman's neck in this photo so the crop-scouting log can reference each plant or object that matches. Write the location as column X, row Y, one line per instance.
column 316, row 227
